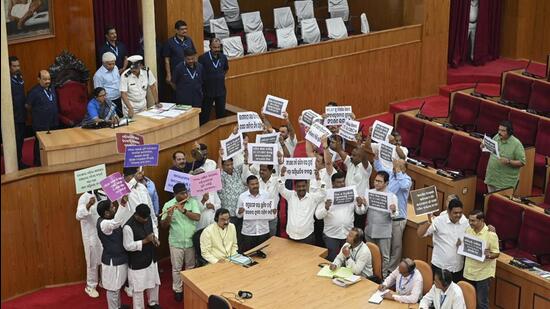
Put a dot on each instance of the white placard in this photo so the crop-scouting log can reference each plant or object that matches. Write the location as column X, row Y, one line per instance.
column 342, row 196
column 472, row 247
column 380, row 131
column 175, row 177
column 232, row 146
column 385, row 154
column 249, row 122
column 300, row 168
column 274, row 106
column 263, row 153
column 337, row 115
column 316, row 132
column 258, row 209
column 88, row 179
column 491, row 146
column 269, row 138
column 349, row 129
column 378, row 201
column 309, row 117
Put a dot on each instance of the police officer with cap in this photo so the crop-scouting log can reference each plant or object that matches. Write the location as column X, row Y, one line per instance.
column 134, row 83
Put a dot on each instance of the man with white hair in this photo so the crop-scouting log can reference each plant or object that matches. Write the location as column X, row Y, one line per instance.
column 108, row 78
column 134, row 84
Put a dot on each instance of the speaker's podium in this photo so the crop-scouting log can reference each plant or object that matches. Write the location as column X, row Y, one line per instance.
column 78, row 144
column 286, row 278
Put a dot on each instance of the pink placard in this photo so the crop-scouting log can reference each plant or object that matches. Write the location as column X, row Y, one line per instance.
column 114, row 186
column 206, row 182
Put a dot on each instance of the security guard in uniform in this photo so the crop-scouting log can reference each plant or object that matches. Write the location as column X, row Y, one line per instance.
column 134, row 83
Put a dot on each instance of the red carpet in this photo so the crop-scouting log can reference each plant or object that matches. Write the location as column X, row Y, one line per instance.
column 488, row 73
column 434, row 106
column 73, row 296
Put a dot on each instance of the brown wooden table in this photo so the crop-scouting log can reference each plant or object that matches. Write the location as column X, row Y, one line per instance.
column 287, row 278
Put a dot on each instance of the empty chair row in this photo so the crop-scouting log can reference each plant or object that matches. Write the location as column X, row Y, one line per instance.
column 524, row 92
column 522, row 232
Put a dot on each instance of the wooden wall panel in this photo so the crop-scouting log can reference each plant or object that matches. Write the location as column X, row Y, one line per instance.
column 41, row 239
column 74, row 31
column 366, row 72
column 169, row 11
column 525, row 29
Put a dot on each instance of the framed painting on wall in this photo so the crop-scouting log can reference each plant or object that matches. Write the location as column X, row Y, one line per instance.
column 28, row 20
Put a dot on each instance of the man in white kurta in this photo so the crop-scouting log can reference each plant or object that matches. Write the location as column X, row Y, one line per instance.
column 138, row 195
column 140, row 235
column 86, row 213
column 114, row 259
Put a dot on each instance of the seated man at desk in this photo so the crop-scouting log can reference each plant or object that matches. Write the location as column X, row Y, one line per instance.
column 100, row 109
column 354, row 254
column 219, row 239
column 407, row 281
column 444, row 294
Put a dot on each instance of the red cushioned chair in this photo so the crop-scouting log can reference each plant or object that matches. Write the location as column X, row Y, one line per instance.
column 525, row 126
column 506, row 217
column 72, row 98
column 435, row 146
column 542, row 148
column 481, row 187
column 464, row 111
column 411, row 130
column 540, row 97
column 463, row 155
column 517, row 89
column 490, row 116
column 533, row 237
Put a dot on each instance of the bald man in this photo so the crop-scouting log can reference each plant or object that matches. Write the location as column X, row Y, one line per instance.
column 42, row 101
column 215, row 66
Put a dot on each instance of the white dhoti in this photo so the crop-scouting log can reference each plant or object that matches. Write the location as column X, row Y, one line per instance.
column 92, row 253
column 144, row 279
column 113, row 277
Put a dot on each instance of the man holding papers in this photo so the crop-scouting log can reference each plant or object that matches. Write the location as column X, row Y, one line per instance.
column 380, row 205
column 355, row 254
column 478, row 273
column 408, row 283
column 444, row 294
column 255, row 231
column 503, row 172
column 219, row 239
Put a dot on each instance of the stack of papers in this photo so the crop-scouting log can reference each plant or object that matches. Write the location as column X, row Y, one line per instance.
column 344, row 282
column 240, row 259
column 377, row 297
column 340, row 272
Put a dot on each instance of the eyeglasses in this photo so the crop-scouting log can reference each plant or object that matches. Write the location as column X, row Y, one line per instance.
column 101, row 95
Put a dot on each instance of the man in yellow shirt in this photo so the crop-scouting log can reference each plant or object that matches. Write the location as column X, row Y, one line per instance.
column 219, row 239
column 478, row 273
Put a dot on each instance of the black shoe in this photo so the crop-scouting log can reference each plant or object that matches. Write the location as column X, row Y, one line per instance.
column 178, row 296
column 124, row 306
column 154, row 306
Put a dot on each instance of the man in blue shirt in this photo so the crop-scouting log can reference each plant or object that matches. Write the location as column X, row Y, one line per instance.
column 42, row 101
column 19, row 111
column 215, row 66
column 114, row 46
column 100, row 109
column 400, row 185
column 174, row 48
column 107, row 77
column 188, row 78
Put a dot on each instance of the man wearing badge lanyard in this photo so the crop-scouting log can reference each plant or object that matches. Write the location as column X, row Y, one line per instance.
column 188, row 78
column 174, row 48
column 19, row 111
column 408, row 283
column 114, row 46
column 215, row 66
column 42, row 101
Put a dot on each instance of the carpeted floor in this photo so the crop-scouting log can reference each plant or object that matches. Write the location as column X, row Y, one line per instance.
column 73, row 296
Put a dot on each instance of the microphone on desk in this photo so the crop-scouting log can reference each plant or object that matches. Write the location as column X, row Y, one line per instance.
column 422, row 116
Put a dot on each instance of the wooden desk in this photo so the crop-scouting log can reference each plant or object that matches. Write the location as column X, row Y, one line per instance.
column 77, row 144
column 287, row 278
column 513, row 288
column 519, row 73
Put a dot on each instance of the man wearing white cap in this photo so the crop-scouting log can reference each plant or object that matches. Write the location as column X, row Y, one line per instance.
column 86, row 213
column 133, row 87
column 108, row 78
